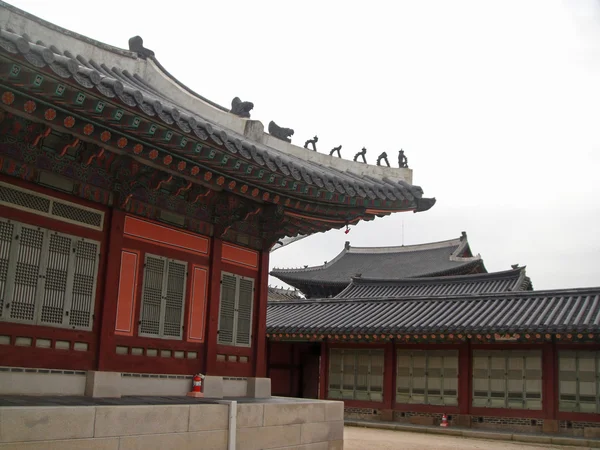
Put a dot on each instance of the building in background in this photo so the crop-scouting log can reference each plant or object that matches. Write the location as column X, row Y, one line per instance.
column 452, row 257
column 136, row 217
column 483, row 348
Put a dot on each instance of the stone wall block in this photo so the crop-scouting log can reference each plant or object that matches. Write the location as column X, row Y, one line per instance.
column 39, row 423
column 206, row 440
column 72, row 444
column 103, row 384
column 336, row 445
column 334, row 411
column 293, row 413
column 268, row 437
column 249, row 415
column 259, row 388
column 213, row 387
column 133, row 420
column 324, row 431
column 209, row 417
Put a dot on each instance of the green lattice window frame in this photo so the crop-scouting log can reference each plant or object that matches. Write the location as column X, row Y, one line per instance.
column 579, row 381
column 46, row 277
column 235, row 310
column 427, row 377
column 356, row 374
column 507, row 379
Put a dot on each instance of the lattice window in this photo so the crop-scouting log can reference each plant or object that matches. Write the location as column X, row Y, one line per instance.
column 235, row 310
column 244, row 311
column 41, row 273
column 28, row 200
column 163, row 297
column 579, row 381
column 507, row 379
column 356, row 374
column 427, row 377
column 6, row 240
column 77, row 214
column 84, row 283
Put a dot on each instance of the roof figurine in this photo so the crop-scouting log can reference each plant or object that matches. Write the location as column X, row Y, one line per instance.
column 240, row 108
column 278, row 294
column 362, row 153
column 402, row 160
column 285, row 134
column 136, row 44
column 336, row 149
column 312, row 142
column 384, row 157
column 146, row 119
column 451, row 257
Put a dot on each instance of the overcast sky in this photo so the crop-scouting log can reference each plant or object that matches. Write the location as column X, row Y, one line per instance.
column 496, row 104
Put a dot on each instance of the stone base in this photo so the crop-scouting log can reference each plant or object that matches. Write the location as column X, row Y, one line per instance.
column 387, row 415
column 259, row 388
column 195, row 394
column 213, row 386
column 462, row 420
column 103, row 384
column 276, row 425
column 550, row 426
column 422, row 420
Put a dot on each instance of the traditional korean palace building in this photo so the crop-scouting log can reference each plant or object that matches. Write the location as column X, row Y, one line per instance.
column 483, row 348
column 452, row 257
column 136, row 217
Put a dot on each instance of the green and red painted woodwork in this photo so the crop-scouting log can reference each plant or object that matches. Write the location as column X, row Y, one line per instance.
column 52, row 358
column 283, row 370
column 113, row 125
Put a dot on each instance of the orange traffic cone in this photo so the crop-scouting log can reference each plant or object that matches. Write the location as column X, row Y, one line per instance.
column 444, row 421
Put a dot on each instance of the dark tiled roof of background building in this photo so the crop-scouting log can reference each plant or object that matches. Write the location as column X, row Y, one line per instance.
column 568, row 310
column 437, row 258
column 280, row 294
column 485, row 283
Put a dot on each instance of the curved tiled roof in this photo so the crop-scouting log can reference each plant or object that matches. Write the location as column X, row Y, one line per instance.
column 485, row 283
column 140, row 93
column 430, row 259
column 568, row 310
column 279, row 294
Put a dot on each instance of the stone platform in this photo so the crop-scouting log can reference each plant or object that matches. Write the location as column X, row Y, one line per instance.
column 168, row 423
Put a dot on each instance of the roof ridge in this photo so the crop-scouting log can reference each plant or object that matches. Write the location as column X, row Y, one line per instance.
column 460, row 242
column 468, row 297
column 442, row 279
column 407, row 248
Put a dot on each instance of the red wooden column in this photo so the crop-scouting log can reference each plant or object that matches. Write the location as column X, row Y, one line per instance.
column 106, row 345
column 260, row 342
column 389, row 371
column 464, row 378
column 323, row 370
column 550, row 384
column 214, row 295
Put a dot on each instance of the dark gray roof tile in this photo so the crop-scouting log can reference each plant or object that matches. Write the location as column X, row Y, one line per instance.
column 576, row 310
column 385, row 263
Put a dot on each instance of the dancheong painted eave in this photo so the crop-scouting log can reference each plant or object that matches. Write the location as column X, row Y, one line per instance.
column 552, row 311
column 128, row 104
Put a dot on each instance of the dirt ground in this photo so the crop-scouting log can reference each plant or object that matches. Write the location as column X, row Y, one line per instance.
column 356, row 438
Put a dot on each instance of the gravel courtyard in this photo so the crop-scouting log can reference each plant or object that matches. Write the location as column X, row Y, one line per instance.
column 356, row 438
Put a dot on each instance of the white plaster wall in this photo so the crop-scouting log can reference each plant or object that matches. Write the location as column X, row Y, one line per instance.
column 154, row 386
column 23, row 383
column 235, row 387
